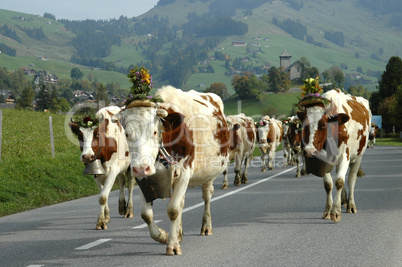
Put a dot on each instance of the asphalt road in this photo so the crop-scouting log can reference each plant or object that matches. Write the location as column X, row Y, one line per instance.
column 274, row 220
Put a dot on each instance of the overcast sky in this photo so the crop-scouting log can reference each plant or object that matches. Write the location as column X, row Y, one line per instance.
column 81, row 9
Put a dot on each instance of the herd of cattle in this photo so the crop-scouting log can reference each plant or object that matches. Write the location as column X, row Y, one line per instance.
column 187, row 141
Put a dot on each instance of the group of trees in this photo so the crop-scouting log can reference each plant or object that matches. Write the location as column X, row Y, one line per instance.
column 387, row 101
column 31, row 96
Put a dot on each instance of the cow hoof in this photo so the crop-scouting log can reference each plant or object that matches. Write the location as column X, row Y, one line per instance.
column 129, row 215
column 352, row 210
column 326, row 216
column 263, row 170
column 336, row 217
column 206, row 231
column 297, row 175
column 101, row 226
column 173, row 250
column 224, row 186
column 244, row 181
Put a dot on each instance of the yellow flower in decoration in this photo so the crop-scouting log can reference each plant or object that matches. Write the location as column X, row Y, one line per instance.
column 145, row 76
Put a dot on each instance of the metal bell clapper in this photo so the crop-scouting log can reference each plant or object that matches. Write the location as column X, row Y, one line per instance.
column 94, row 168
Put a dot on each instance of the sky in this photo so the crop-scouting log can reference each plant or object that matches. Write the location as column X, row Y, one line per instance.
column 81, row 9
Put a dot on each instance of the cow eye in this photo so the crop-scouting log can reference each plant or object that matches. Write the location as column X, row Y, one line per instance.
column 155, row 132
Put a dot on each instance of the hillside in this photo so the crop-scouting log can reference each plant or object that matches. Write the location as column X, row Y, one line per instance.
column 368, row 40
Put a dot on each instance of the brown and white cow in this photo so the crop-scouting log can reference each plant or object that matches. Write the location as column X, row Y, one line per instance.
column 372, row 135
column 107, row 142
column 242, row 147
column 269, row 137
column 339, row 132
column 294, row 137
column 194, row 132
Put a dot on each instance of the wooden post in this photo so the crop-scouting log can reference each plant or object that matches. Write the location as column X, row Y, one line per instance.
column 1, row 127
column 51, row 135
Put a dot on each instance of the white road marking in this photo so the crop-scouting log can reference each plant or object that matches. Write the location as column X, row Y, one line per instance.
column 145, row 225
column 93, row 244
column 226, row 195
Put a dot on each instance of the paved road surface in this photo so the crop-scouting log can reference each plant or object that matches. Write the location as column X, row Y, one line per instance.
column 274, row 220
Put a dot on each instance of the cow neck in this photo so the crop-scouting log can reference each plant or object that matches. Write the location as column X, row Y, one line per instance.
column 163, row 152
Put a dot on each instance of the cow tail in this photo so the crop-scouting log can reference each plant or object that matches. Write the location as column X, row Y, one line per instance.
column 360, row 172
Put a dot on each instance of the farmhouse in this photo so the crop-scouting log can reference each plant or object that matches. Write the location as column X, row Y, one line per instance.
column 8, row 96
column 294, row 70
column 239, row 43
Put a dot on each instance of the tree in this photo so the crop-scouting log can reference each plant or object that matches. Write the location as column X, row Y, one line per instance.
column 388, row 84
column 247, row 86
column 101, row 94
column 218, row 88
column 27, row 97
column 76, row 74
column 43, row 99
column 277, row 80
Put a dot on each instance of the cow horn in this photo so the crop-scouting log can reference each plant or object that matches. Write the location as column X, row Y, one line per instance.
column 161, row 113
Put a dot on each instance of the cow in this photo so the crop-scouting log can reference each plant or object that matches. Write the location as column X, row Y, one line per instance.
column 182, row 142
column 295, row 142
column 242, row 143
column 372, row 135
column 107, row 142
column 287, row 153
column 338, row 135
column 269, row 136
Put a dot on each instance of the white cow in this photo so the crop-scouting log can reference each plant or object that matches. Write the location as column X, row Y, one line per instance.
column 269, row 137
column 107, row 142
column 242, row 142
column 195, row 135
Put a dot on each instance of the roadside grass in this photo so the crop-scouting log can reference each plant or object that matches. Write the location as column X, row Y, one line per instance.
column 388, row 141
column 29, row 176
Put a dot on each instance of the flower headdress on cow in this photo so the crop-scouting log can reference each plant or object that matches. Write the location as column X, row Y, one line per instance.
column 87, row 121
column 311, row 94
column 142, row 86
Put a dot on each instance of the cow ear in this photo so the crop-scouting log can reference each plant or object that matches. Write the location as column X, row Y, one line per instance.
column 301, row 115
column 172, row 121
column 341, row 118
column 74, row 128
column 236, row 127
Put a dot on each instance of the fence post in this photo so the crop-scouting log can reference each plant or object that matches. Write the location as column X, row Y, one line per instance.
column 1, row 127
column 51, row 135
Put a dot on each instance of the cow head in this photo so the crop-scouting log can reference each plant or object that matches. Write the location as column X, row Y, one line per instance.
column 262, row 129
column 143, row 128
column 89, row 136
column 316, row 122
column 295, row 133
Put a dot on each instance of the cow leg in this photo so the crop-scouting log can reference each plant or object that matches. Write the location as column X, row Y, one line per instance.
column 297, row 166
column 285, row 155
column 354, row 168
column 122, row 199
column 130, row 188
column 263, row 169
column 271, row 155
column 336, row 211
column 237, row 169
column 104, row 216
column 328, row 184
column 225, row 183
column 207, row 191
column 174, row 211
column 147, row 215
column 303, row 170
column 244, row 177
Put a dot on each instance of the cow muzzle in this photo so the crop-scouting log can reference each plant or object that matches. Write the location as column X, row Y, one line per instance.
column 311, row 152
column 142, row 171
column 87, row 158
